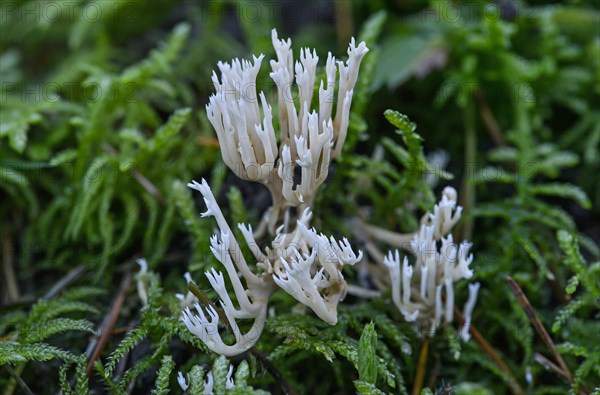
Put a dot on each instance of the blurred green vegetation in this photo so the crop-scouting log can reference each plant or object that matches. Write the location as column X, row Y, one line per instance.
column 102, row 124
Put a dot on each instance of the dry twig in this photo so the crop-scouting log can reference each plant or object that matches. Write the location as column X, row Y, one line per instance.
column 487, row 348
column 108, row 324
column 420, row 375
column 8, row 272
column 489, row 120
column 16, row 375
column 539, row 328
column 63, row 282
column 139, row 177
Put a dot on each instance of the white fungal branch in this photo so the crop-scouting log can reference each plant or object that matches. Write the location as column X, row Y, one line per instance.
column 348, row 77
column 313, row 151
column 307, row 136
column 305, row 264
column 445, row 215
column 302, row 262
column 252, row 301
column 312, row 271
column 141, row 281
column 399, row 279
column 208, row 383
column 468, row 311
column 206, row 328
column 182, row 381
column 213, row 209
column 425, row 291
column 247, row 139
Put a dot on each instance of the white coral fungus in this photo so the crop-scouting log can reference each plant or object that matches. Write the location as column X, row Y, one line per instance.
column 308, row 138
column 418, row 290
column 306, row 264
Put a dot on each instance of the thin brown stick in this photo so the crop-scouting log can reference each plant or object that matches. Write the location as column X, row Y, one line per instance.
column 64, row 281
column 110, row 320
column 139, row 177
column 254, row 350
column 117, row 331
column 16, row 375
column 539, row 327
column 264, row 361
column 548, row 364
column 8, row 267
column 489, row 120
column 487, row 348
column 59, row 286
column 193, row 288
column 11, row 285
column 345, row 24
column 420, row 375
